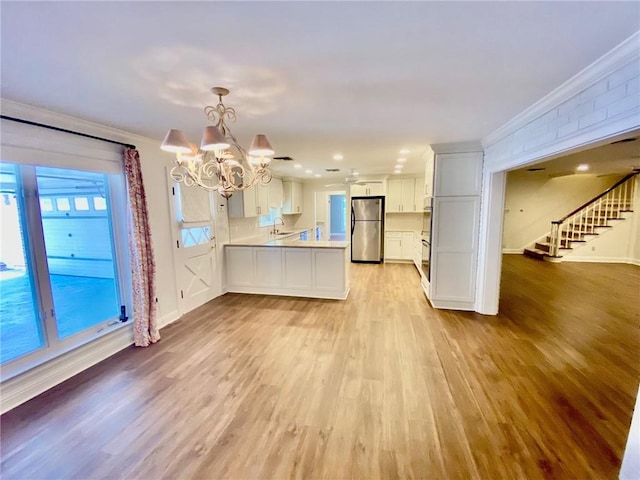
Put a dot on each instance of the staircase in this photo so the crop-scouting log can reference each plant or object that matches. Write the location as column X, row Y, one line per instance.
column 586, row 222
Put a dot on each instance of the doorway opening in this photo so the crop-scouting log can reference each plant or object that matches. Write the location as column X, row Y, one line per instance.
column 337, row 217
column 331, row 216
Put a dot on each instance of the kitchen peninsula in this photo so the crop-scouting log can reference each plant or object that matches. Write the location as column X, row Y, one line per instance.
column 288, row 266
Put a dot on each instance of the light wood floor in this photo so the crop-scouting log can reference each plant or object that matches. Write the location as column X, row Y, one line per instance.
column 378, row 386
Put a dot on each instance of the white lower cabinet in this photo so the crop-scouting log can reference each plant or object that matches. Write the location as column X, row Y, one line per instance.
column 242, row 260
column 407, row 246
column 398, row 246
column 268, row 266
column 454, row 252
column 328, row 270
column 293, row 271
column 297, row 268
column 393, row 246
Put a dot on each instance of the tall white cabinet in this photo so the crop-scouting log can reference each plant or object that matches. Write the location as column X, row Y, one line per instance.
column 457, row 185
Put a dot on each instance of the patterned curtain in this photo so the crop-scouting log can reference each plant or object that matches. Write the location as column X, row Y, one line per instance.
column 143, row 267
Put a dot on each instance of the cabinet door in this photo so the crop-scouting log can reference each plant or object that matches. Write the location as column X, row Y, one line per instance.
column 428, row 174
column 358, row 190
column 297, row 197
column 408, row 195
column 418, row 198
column 393, row 202
column 407, row 245
column 268, row 266
column 454, row 248
column 393, row 246
column 275, row 193
column 458, row 174
column 239, row 269
column 243, row 204
column 375, row 189
column 298, row 271
column 262, row 199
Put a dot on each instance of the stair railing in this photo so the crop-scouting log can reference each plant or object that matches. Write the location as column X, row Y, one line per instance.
column 595, row 213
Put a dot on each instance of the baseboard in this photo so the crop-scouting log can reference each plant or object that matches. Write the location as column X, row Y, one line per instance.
column 577, row 259
column 168, row 319
column 634, row 261
column 513, row 251
column 21, row 388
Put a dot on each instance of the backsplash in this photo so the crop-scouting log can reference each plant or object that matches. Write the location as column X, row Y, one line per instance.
column 403, row 221
column 245, row 228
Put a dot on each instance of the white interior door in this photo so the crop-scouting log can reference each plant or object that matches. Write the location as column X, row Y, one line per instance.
column 194, row 247
column 195, row 265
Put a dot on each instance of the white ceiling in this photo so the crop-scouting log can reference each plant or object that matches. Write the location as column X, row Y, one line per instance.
column 364, row 79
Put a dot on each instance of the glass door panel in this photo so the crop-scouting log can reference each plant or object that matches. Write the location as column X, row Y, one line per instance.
column 20, row 325
column 76, row 223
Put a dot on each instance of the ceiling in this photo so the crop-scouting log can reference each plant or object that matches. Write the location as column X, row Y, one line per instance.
column 363, row 79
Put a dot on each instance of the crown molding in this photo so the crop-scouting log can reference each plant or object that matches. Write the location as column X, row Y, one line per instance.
column 457, row 147
column 32, row 113
column 622, row 54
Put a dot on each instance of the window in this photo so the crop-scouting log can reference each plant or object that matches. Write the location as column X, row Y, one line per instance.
column 267, row 220
column 99, row 203
column 81, row 203
column 63, row 204
column 63, row 277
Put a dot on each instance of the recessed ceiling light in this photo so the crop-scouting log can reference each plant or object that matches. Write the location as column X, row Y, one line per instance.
column 583, row 167
column 317, row 175
column 404, row 151
column 402, row 160
column 355, row 174
column 338, row 156
column 297, row 165
column 397, row 171
column 399, row 166
column 308, row 171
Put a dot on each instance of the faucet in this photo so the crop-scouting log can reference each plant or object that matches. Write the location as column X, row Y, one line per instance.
column 274, row 231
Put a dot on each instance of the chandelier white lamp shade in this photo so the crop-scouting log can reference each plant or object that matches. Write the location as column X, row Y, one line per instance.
column 220, row 164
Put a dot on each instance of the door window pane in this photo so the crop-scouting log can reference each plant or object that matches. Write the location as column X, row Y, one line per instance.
column 63, row 204
column 81, row 203
column 80, row 253
column 20, row 326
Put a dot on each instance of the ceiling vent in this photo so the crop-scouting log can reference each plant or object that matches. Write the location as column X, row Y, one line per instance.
column 331, row 169
column 284, row 159
column 624, row 140
column 536, row 169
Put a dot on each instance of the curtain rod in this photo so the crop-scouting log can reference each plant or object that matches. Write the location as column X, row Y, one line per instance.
column 58, row 129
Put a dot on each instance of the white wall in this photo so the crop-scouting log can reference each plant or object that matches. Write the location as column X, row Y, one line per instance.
column 153, row 162
column 596, row 106
column 533, row 200
column 403, row 221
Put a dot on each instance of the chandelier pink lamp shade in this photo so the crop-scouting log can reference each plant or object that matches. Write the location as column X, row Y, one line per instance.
column 261, row 146
column 175, row 142
column 213, row 139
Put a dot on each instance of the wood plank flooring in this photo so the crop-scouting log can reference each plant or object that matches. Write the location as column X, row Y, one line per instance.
column 378, row 386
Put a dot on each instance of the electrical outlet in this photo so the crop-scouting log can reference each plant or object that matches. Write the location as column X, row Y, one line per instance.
column 593, row 249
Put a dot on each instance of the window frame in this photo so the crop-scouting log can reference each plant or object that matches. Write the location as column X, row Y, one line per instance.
column 34, row 246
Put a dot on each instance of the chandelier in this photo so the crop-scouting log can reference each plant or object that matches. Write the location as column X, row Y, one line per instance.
column 220, row 164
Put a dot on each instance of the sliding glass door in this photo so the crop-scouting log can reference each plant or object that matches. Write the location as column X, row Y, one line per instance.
column 63, row 255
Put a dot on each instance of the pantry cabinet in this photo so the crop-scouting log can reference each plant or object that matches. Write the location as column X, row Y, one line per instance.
column 292, row 198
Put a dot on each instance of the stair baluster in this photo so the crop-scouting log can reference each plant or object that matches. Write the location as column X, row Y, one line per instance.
column 585, row 220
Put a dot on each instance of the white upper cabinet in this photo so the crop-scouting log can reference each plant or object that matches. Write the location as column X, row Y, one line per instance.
column 429, row 162
column 419, row 196
column 275, row 193
column 367, row 190
column 292, row 198
column 458, row 174
column 254, row 201
column 404, row 195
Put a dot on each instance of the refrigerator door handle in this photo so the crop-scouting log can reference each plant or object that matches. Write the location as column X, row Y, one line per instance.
column 353, row 220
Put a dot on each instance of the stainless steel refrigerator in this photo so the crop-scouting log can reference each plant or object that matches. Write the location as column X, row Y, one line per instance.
column 367, row 216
